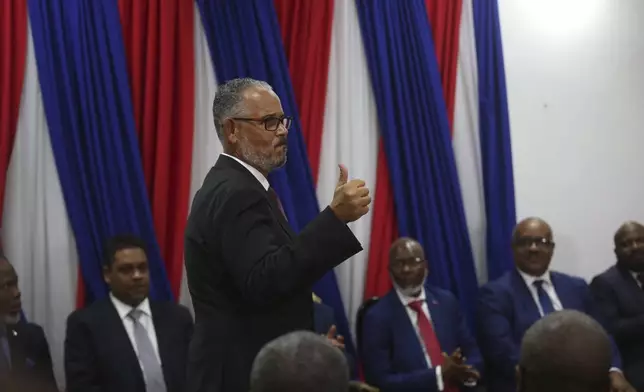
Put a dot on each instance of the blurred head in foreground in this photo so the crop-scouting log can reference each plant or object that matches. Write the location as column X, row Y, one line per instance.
column 565, row 351
column 299, row 361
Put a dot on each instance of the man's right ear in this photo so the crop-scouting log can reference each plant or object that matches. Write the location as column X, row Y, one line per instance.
column 106, row 274
column 230, row 131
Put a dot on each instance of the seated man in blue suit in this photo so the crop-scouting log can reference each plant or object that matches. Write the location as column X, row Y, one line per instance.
column 406, row 335
column 619, row 292
column 25, row 361
column 509, row 305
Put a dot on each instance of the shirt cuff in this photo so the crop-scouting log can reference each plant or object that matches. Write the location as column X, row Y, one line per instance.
column 439, row 379
column 614, row 369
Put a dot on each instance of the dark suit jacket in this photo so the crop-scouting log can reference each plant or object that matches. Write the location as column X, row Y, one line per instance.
column 31, row 367
column 99, row 356
column 506, row 310
column 392, row 354
column 621, row 301
column 249, row 274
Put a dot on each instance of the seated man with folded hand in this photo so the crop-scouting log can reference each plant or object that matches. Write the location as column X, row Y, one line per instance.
column 407, row 333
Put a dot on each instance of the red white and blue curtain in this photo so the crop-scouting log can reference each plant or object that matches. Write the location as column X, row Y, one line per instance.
column 106, row 127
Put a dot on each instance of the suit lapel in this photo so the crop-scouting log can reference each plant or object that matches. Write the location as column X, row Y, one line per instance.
column 437, row 316
column 277, row 214
column 121, row 341
column 224, row 162
column 631, row 285
column 524, row 298
column 164, row 338
column 408, row 338
column 17, row 342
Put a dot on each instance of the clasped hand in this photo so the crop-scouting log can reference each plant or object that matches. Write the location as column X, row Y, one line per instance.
column 456, row 372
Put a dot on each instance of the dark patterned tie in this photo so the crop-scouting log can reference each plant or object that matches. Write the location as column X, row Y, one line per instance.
column 544, row 298
column 276, row 201
column 640, row 279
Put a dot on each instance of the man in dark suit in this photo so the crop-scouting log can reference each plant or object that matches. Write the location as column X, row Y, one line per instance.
column 25, row 361
column 126, row 342
column 509, row 305
column 249, row 274
column 619, row 293
column 407, row 333
column 565, row 351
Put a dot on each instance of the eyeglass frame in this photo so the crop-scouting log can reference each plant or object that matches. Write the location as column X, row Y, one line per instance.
column 289, row 121
column 527, row 242
column 413, row 262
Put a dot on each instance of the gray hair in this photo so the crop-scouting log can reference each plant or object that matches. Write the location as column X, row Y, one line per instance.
column 228, row 100
column 566, row 351
column 299, row 361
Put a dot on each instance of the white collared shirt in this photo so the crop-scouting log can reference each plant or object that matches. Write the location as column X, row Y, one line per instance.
column 413, row 318
column 256, row 173
column 145, row 320
column 548, row 287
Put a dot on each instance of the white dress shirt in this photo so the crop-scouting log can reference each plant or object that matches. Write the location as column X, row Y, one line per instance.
column 413, row 318
column 547, row 287
column 256, row 173
column 145, row 320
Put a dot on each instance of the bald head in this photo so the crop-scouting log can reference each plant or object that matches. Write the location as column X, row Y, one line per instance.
column 299, row 361
column 531, row 223
column 408, row 266
column 626, row 228
column 405, row 245
column 629, row 246
column 565, row 351
column 532, row 246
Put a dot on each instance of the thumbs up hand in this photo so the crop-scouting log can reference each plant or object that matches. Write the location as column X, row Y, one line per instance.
column 351, row 198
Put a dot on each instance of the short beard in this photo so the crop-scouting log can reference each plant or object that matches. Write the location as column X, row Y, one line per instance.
column 411, row 291
column 264, row 162
column 12, row 319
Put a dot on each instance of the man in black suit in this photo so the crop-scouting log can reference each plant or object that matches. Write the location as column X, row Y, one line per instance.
column 619, row 292
column 249, row 274
column 25, row 361
column 126, row 342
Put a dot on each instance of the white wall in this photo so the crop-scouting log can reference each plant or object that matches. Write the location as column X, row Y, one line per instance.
column 575, row 75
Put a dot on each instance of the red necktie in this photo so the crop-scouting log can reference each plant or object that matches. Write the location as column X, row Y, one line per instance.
column 428, row 335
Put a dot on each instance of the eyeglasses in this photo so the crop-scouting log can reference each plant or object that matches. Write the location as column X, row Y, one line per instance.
column 539, row 242
column 411, row 263
column 271, row 123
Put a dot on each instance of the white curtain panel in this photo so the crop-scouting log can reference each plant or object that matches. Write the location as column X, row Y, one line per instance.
column 466, row 141
column 350, row 137
column 206, row 145
column 37, row 234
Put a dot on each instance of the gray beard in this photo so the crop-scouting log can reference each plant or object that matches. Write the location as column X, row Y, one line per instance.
column 411, row 291
column 263, row 162
column 11, row 319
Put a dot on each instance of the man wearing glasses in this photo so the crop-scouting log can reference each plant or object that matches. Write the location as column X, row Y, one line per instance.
column 415, row 338
column 509, row 305
column 249, row 274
